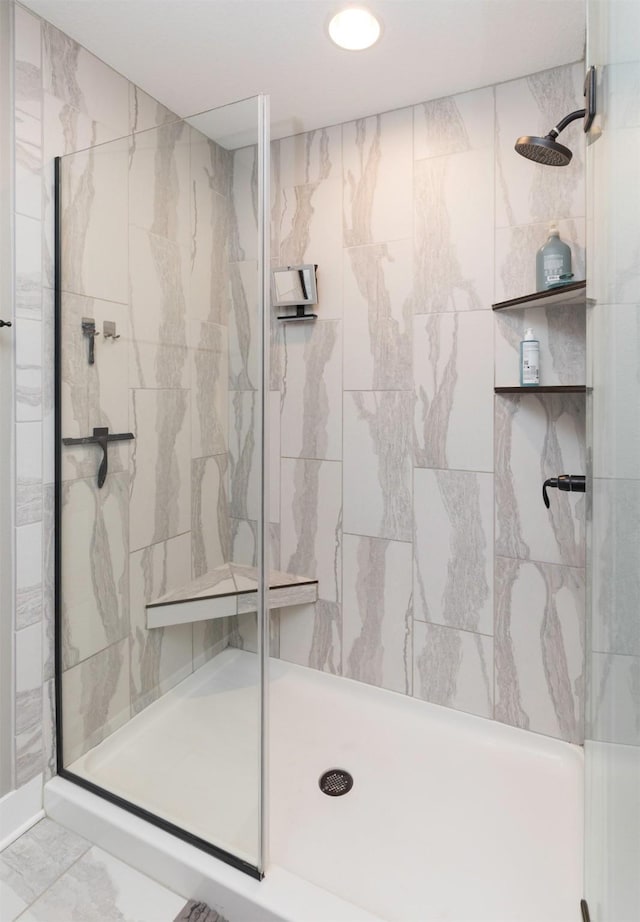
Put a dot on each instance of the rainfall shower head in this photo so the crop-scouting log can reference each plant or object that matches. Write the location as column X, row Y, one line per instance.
column 547, row 150
column 544, row 150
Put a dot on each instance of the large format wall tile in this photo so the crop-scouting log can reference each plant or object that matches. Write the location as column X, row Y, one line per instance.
column 28, row 113
column 28, row 370
column 94, row 222
column 95, row 699
column 160, row 504
column 244, row 327
column 453, row 373
column 160, row 657
column 378, row 308
column 454, row 124
column 310, row 231
column 454, row 232
column 539, row 436
column 453, row 668
column 377, row 612
column 312, row 391
column 377, row 464
column 210, row 525
column 377, row 157
column 28, row 267
column 209, row 389
column 453, row 547
column 95, row 566
column 539, row 647
column 311, row 157
column 527, row 192
column 28, row 473
column 28, row 666
column 28, row 598
column 244, row 455
column 561, row 334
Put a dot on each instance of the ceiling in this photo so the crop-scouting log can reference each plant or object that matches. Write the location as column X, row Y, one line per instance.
column 193, row 55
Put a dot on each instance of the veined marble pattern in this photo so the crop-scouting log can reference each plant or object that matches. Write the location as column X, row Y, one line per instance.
column 160, row 501
column 244, row 472
column 527, row 192
column 454, row 124
column 145, row 112
column 28, row 540
column 539, row 647
column 95, row 566
column 162, row 657
column 28, row 754
column 561, row 333
column 310, row 231
column 274, row 435
column 28, row 267
column 377, row 464
column 311, row 544
column 615, row 574
column 615, row 698
column 28, row 667
column 99, row 887
column 309, row 157
column 93, row 395
column 49, row 729
column 209, row 389
column 554, row 424
column 28, row 334
column 453, row 549
column 377, row 157
column 244, row 327
column 210, row 181
column 28, row 473
column 210, row 525
column 453, row 668
column 515, row 254
column 159, row 291
column 48, row 581
column 95, row 699
column 159, row 165
column 83, row 81
column 453, row 373
column 311, row 425
column 377, row 612
column 244, row 199
column 94, row 187
column 454, row 232
column 378, row 290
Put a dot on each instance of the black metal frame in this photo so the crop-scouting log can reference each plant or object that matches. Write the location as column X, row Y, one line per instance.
column 214, row 850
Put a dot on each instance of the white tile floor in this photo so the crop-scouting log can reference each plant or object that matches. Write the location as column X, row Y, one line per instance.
column 52, row 875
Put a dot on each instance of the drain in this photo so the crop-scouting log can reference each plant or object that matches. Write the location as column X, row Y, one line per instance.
column 335, row 782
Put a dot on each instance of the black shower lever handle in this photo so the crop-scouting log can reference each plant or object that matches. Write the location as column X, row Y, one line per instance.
column 568, row 483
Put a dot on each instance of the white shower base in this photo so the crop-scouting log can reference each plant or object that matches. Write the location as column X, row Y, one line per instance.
column 451, row 816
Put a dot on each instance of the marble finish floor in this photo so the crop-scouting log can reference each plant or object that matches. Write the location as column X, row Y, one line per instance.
column 51, row 874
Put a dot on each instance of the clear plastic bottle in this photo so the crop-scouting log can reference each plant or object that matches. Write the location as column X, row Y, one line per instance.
column 553, row 262
column 529, row 360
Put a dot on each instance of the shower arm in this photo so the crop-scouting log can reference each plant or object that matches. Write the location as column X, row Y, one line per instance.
column 562, row 124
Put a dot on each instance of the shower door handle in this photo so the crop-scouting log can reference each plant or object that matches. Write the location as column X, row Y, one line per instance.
column 101, row 437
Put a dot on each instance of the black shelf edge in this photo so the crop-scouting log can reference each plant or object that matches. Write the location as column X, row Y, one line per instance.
column 543, row 389
column 544, row 298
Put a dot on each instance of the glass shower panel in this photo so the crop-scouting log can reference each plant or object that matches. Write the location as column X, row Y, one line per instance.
column 612, row 747
column 160, row 441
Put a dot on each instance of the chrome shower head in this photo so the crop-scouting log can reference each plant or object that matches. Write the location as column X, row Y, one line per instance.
column 545, row 150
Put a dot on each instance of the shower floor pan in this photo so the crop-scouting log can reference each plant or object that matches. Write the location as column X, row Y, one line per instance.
column 450, row 817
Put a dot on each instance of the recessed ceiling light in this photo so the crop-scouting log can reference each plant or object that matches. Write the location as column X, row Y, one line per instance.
column 354, row 29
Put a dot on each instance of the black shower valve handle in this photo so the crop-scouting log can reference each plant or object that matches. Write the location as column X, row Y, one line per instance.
column 568, row 483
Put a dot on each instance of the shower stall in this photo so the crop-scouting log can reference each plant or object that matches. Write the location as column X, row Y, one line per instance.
column 274, row 537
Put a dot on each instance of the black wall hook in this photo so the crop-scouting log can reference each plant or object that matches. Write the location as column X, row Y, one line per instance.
column 101, row 437
column 568, row 483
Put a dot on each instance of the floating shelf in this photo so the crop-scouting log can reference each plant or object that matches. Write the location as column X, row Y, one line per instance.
column 567, row 295
column 543, row 389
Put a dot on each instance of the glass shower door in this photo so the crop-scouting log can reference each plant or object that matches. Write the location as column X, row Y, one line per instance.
column 160, row 609
column 612, row 746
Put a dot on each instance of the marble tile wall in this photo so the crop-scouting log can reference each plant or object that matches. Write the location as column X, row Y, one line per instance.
column 158, row 203
column 400, row 482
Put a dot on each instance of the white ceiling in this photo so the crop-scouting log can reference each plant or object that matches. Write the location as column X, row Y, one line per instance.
column 193, row 55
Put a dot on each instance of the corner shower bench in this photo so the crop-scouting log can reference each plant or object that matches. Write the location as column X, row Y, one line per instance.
column 231, row 589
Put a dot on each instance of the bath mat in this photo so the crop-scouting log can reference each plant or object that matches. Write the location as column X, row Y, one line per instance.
column 198, row 912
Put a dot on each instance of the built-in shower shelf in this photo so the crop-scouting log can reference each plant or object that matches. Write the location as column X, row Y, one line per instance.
column 231, row 589
column 543, row 389
column 567, row 296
